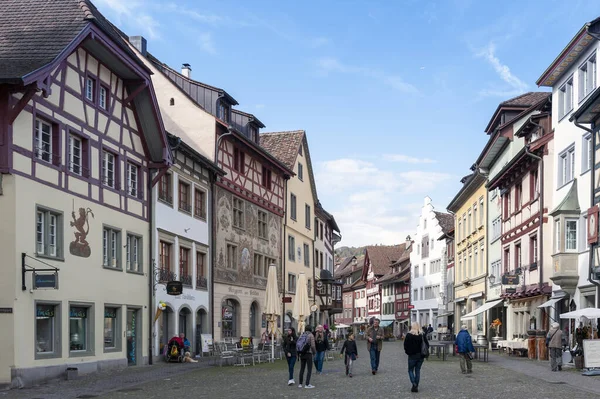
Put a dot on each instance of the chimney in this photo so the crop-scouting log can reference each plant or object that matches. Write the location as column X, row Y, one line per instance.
column 408, row 243
column 186, row 70
column 140, row 44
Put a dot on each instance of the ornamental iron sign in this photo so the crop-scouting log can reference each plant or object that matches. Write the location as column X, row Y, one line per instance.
column 45, row 280
column 174, row 288
column 508, row 279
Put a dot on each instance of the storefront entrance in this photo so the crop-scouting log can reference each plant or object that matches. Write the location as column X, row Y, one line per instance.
column 133, row 334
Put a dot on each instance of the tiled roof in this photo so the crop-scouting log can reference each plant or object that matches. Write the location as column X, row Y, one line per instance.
column 525, row 100
column 345, row 268
column 283, row 145
column 445, row 220
column 382, row 256
column 33, row 33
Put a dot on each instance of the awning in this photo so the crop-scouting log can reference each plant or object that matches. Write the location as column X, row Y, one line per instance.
column 551, row 302
column 385, row 323
column 459, row 300
column 486, row 306
column 445, row 314
column 404, row 321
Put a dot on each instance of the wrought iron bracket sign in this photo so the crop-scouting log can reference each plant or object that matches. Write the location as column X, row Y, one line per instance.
column 45, row 278
column 174, row 288
column 509, row 279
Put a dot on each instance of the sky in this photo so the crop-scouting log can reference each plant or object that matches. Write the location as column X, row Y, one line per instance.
column 394, row 95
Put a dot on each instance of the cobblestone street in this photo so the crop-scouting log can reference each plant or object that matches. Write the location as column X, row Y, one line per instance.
column 500, row 378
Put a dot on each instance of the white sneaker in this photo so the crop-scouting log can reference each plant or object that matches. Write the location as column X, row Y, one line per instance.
column 300, row 386
column 291, row 382
column 309, row 386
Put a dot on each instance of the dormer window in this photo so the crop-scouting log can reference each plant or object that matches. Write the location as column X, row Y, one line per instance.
column 254, row 134
column 223, row 112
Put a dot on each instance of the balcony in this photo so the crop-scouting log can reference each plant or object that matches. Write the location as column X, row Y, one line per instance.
column 165, row 275
column 165, row 197
column 202, row 283
column 564, row 271
column 186, row 280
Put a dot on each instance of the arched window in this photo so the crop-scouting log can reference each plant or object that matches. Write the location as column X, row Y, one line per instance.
column 253, row 319
column 229, row 318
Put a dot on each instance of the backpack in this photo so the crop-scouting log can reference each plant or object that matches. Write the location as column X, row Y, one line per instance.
column 303, row 344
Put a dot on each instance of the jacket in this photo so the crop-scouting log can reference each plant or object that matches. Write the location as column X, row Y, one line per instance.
column 379, row 337
column 556, row 341
column 412, row 344
column 289, row 345
column 313, row 347
column 463, row 342
column 321, row 341
column 350, row 348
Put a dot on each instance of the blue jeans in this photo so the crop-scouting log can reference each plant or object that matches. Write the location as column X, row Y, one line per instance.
column 374, row 357
column 414, row 370
column 291, row 363
column 319, row 357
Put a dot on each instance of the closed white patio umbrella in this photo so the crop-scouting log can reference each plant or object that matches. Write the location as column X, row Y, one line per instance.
column 272, row 302
column 301, row 304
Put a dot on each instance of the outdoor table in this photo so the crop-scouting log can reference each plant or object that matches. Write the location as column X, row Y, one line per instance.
column 478, row 349
column 440, row 345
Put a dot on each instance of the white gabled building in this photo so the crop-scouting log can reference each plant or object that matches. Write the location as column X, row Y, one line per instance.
column 426, row 265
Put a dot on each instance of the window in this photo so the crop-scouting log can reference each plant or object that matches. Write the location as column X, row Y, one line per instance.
column 565, row 98
column 132, row 179
column 557, row 236
column 566, row 165
column 416, row 271
column 111, row 242
column 587, row 77
column 134, row 253
column 306, row 255
column 307, row 216
column 223, row 111
column 300, row 172
column 108, row 169
column 309, row 287
column 300, row 151
column 262, row 224
column 239, row 161
column 266, row 177
column 79, row 329
column 291, row 248
column 518, row 197
column 518, row 260
column 464, row 232
column 184, row 197
column 415, row 295
column 475, row 216
column 506, row 259
column 507, row 208
column 201, row 281
column 49, row 233
column 469, row 230
column 77, row 155
column 291, row 283
column 534, row 184
column 165, row 189
column 533, row 249
column 293, row 207
column 459, row 229
column 495, row 271
column 90, row 88
column 199, row 204
column 321, row 259
column 47, row 330
column 165, row 256
column 570, row 235
column 103, row 100
column 481, row 211
column 238, row 213
column 254, row 134
column 586, row 153
column 111, row 328
column 321, row 231
column 259, row 269
column 44, row 140
column 425, row 247
column 185, row 272
column 425, row 224
column 232, row 256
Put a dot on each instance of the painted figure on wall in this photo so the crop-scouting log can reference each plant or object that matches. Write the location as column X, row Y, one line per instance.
column 80, row 247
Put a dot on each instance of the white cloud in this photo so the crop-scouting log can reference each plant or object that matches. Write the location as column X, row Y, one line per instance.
column 131, row 12
column 406, row 159
column 329, row 64
column 517, row 86
column 206, row 43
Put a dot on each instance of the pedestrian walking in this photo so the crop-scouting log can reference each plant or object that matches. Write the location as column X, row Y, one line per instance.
column 289, row 346
column 413, row 343
column 554, row 344
column 465, row 349
column 351, row 353
column 322, row 344
column 306, row 349
column 374, row 344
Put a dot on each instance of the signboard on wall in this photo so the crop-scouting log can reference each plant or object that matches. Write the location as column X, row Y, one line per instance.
column 591, row 349
column 206, row 340
column 508, row 279
column 174, row 288
column 45, row 281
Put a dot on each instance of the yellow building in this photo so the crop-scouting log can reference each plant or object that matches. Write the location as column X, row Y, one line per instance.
column 291, row 148
column 471, row 255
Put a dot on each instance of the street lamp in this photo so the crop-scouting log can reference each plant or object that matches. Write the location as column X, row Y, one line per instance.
column 492, row 279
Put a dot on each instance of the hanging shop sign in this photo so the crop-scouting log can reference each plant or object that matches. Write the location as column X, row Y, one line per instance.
column 508, row 279
column 174, row 288
column 45, row 281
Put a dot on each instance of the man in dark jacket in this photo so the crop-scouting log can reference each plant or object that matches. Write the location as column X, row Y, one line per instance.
column 351, row 353
column 465, row 348
column 374, row 344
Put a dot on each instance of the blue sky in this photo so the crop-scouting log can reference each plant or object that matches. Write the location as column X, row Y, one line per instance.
column 394, row 95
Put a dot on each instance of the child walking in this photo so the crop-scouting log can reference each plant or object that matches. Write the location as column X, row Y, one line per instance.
column 351, row 353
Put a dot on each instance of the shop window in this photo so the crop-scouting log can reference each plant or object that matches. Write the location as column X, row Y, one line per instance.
column 47, row 331
column 112, row 332
column 80, row 330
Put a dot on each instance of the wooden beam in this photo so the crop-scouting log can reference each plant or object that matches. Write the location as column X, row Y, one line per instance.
column 134, row 94
column 18, row 107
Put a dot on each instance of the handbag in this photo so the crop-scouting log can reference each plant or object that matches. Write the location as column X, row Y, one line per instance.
column 548, row 339
column 424, row 348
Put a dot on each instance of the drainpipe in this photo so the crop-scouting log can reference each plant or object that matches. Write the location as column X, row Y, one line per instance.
column 284, row 239
column 214, row 232
column 151, row 271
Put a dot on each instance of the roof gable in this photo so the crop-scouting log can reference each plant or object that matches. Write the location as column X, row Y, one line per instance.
column 513, row 108
column 381, row 257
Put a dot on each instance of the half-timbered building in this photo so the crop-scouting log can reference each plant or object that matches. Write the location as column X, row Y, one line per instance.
column 347, row 272
column 248, row 201
column 80, row 140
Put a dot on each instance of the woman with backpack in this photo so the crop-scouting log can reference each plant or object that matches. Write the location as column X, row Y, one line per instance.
column 289, row 346
column 306, row 349
column 416, row 347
